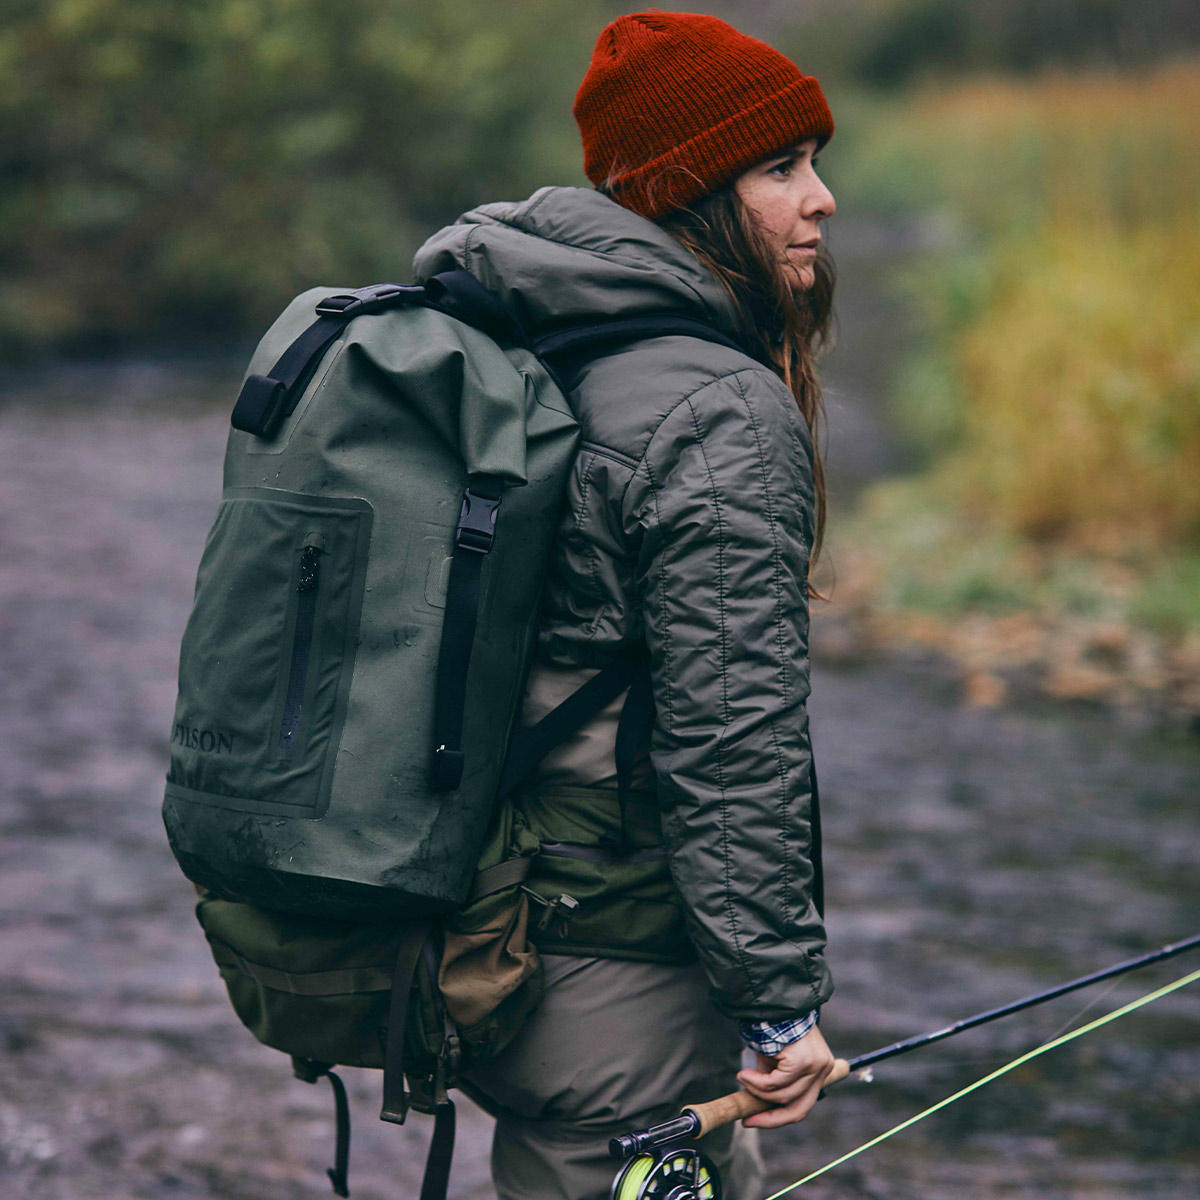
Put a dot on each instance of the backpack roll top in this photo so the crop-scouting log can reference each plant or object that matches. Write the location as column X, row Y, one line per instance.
column 303, row 774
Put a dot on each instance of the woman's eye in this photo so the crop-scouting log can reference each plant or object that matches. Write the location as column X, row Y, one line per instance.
column 814, row 161
column 783, row 168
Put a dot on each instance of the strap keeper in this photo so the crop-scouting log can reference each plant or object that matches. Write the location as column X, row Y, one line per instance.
column 260, row 406
column 447, row 770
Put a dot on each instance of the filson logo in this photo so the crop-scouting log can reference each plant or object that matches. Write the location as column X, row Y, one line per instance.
column 207, row 741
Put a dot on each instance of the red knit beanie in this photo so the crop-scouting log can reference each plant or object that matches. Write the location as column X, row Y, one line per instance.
column 674, row 105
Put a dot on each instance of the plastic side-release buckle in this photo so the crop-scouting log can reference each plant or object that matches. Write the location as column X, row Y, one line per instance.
column 369, row 299
column 477, row 522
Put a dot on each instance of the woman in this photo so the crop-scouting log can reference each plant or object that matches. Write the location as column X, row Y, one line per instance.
column 694, row 509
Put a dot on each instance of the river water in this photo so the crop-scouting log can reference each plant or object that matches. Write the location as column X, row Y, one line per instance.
column 973, row 856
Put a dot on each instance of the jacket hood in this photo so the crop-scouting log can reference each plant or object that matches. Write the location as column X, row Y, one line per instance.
column 569, row 255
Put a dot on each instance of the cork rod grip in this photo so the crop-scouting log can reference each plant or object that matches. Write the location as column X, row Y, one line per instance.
column 741, row 1103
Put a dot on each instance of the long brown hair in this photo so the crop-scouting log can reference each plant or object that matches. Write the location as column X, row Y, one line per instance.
column 780, row 324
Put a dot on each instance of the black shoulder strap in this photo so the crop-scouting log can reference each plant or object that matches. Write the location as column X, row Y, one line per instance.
column 580, row 342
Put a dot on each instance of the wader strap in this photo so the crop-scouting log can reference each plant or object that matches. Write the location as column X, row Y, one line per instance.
column 309, row 1070
column 529, row 746
column 441, row 1152
column 395, row 1098
column 636, row 714
column 473, row 540
column 502, row 875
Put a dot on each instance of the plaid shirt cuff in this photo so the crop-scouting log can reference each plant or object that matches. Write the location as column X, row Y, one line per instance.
column 765, row 1038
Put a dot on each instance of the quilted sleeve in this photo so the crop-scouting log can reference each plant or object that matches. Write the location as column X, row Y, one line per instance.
column 722, row 508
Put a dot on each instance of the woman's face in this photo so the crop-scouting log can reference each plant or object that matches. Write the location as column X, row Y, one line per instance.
column 788, row 203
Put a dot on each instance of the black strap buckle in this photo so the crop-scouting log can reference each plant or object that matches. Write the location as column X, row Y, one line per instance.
column 369, row 299
column 477, row 522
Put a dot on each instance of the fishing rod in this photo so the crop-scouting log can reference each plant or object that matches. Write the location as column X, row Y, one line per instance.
column 993, row 1014
column 655, row 1170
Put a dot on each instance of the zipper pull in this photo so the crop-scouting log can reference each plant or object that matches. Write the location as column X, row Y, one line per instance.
column 310, row 569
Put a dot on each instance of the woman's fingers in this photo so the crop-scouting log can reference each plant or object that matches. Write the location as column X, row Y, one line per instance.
column 784, row 1114
column 791, row 1081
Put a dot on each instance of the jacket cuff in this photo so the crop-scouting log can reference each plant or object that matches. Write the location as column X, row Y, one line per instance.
column 765, row 1038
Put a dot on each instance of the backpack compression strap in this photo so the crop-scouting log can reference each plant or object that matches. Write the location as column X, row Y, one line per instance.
column 473, row 541
column 265, row 401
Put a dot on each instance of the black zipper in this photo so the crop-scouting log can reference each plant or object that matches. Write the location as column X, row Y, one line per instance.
column 308, row 585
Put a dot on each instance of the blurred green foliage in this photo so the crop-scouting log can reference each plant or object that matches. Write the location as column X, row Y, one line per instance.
column 188, row 165
column 912, row 38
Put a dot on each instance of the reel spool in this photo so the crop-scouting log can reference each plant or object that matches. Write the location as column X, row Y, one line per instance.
column 667, row 1174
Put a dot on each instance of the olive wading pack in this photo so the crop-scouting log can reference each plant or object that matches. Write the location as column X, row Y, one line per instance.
column 351, row 675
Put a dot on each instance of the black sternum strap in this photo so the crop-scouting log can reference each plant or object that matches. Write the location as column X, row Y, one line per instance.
column 530, row 745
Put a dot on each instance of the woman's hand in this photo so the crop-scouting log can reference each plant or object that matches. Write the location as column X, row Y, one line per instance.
column 791, row 1079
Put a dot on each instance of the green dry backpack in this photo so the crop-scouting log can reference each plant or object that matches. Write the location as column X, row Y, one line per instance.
column 352, row 671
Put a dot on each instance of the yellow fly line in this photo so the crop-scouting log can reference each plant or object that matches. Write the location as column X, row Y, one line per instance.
column 1059, row 1041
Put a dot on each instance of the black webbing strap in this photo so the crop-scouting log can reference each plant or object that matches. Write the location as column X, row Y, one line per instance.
column 579, row 341
column 310, row 1071
column 636, row 714
column 529, row 746
column 441, row 1152
column 459, row 294
column 473, row 541
column 266, row 400
column 395, row 1098
column 503, row 874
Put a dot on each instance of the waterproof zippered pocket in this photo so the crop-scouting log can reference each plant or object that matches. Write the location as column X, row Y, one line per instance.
column 308, row 587
column 268, row 654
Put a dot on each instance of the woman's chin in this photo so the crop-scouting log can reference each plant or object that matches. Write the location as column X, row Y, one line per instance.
column 802, row 276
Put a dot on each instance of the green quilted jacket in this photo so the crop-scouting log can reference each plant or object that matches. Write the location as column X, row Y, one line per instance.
column 687, row 530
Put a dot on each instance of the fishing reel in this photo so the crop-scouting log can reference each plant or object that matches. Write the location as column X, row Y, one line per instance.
column 667, row 1174
column 657, row 1168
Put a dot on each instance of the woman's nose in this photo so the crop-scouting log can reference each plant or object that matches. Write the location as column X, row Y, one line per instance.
column 818, row 202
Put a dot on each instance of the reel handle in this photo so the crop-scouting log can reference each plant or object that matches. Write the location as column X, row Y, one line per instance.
column 740, row 1104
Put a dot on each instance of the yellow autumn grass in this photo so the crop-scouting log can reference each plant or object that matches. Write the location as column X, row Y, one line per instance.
column 1081, row 381
column 1057, row 387
column 1078, row 368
